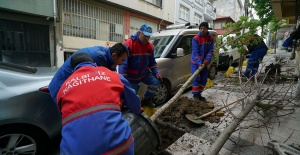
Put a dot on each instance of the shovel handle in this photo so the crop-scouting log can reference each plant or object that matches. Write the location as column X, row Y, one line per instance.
column 211, row 112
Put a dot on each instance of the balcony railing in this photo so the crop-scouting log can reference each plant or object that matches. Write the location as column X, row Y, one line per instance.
column 210, row 11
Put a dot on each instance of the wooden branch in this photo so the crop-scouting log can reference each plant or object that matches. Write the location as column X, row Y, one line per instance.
column 176, row 96
column 220, row 141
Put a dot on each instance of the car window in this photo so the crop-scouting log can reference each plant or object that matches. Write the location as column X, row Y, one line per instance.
column 160, row 43
column 186, row 44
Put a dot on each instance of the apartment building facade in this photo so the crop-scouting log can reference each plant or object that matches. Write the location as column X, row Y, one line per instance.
column 194, row 11
column 46, row 33
column 90, row 23
column 232, row 8
column 220, row 22
column 27, row 32
column 74, row 24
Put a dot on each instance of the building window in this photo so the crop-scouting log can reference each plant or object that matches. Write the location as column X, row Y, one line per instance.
column 155, row 2
column 199, row 1
column 217, row 25
column 184, row 13
column 197, row 18
column 85, row 20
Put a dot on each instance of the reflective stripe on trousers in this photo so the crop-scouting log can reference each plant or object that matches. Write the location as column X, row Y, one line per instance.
column 122, row 148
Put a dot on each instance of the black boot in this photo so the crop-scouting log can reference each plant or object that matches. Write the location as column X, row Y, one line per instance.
column 148, row 102
column 199, row 97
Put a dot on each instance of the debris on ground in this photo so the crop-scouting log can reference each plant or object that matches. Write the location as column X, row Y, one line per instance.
column 174, row 126
column 173, row 123
column 175, row 115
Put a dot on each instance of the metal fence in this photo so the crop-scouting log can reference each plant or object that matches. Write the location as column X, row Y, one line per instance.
column 86, row 20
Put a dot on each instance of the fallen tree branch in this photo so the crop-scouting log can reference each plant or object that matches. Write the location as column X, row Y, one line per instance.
column 220, row 141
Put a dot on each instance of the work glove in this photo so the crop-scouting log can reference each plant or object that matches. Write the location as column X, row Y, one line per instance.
column 206, row 63
column 158, row 76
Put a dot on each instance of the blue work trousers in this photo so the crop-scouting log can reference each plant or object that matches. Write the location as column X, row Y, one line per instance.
column 253, row 62
column 199, row 81
column 151, row 80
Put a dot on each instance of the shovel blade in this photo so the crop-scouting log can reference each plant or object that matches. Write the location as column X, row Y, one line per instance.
column 194, row 118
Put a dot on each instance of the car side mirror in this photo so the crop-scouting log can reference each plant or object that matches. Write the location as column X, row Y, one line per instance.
column 180, row 52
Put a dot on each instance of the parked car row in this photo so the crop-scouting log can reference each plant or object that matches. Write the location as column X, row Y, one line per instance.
column 172, row 49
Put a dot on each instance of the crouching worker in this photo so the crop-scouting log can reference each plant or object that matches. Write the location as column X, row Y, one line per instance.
column 257, row 52
column 90, row 101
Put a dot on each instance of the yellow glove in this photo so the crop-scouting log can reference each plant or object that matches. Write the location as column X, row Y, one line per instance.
column 149, row 111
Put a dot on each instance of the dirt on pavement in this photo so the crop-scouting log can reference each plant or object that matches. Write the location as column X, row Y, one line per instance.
column 173, row 123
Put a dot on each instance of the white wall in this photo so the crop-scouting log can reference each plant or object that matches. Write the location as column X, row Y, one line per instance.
column 37, row 7
column 165, row 13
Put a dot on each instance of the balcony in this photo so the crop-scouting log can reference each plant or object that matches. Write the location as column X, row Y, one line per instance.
column 285, row 9
column 209, row 11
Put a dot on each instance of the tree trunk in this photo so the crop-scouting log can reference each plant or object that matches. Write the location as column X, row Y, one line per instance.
column 275, row 42
column 220, row 141
column 176, row 96
column 297, row 56
column 242, row 56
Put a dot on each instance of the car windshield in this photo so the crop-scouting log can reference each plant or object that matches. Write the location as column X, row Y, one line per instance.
column 160, row 43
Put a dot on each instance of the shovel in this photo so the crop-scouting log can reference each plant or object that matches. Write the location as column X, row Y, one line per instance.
column 197, row 119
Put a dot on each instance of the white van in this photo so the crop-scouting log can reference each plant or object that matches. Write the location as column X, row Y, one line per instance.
column 172, row 50
column 230, row 56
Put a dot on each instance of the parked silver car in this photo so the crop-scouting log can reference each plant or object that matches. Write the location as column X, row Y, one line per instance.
column 29, row 119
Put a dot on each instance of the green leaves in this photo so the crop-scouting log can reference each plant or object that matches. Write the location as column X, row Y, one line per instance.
column 244, row 28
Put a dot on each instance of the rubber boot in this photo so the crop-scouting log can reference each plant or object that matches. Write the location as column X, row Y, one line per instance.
column 147, row 102
column 199, row 97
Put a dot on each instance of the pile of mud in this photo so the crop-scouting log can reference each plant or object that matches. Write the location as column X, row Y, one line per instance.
column 173, row 123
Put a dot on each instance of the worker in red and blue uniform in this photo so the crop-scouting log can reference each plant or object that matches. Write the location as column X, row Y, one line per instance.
column 202, row 51
column 140, row 65
column 90, row 101
column 257, row 52
column 102, row 56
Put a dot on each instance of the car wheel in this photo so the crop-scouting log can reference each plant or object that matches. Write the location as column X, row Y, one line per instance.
column 14, row 140
column 162, row 94
column 212, row 72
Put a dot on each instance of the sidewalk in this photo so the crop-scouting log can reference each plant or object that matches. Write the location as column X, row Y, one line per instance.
column 256, row 130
